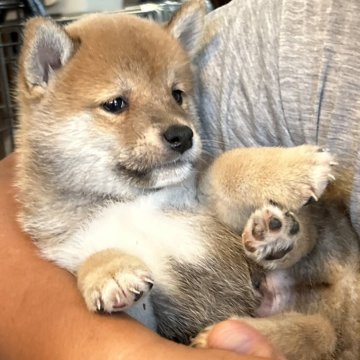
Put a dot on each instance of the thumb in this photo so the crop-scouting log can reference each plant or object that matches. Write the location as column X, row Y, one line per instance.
column 234, row 335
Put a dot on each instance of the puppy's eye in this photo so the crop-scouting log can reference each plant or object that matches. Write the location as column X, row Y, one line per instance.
column 115, row 106
column 178, row 96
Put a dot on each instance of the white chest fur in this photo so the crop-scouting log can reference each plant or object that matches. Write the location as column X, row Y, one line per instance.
column 141, row 228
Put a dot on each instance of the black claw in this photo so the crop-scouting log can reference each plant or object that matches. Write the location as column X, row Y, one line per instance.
column 310, row 201
column 150, row 284
column 275, row 224
column 138, row 296
column 276, row 255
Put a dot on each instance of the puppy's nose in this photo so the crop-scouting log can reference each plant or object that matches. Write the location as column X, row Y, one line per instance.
column 179, row 137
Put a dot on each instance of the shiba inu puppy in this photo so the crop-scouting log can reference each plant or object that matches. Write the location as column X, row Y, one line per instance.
column 114, row 187
column 108, row 141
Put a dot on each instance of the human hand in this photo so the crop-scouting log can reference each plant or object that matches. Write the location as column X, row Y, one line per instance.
column 235, row 335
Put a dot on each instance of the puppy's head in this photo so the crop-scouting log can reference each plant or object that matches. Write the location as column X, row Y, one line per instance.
column 106, row 103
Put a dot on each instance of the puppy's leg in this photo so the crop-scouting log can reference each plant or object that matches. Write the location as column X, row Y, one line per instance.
column 242, row 180
column 297, row 336
column 111, row 280
column 277, row 238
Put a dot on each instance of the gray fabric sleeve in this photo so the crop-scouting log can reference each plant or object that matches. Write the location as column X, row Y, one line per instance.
column 284, row 73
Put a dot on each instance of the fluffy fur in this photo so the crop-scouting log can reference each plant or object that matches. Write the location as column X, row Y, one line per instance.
column 114, row 188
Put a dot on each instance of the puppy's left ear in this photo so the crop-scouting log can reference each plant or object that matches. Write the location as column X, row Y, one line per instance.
column 187, row 25
column 46, row 49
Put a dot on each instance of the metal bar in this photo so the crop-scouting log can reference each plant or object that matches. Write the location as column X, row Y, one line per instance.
column 4, row 128
column 9, row 7
column 10, row 44
column 6, row 93
column 10, row 24
column 12, row 59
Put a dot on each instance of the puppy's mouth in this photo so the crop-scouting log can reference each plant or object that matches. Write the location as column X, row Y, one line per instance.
column 154, row 177
column 133, row 173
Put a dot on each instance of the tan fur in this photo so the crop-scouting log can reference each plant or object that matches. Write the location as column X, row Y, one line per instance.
column 242, row 180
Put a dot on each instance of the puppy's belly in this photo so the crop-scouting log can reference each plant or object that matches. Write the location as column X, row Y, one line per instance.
column 278, row 294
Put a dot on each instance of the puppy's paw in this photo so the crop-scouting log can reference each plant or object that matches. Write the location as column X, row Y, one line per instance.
column 310, row 169
column 320, row 166
column 270, row 235
column 113, row 281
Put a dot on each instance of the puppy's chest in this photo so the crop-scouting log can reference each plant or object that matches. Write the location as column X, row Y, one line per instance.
column 147, row 229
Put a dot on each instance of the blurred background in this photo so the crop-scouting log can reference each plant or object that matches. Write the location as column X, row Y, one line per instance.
column 12, row 15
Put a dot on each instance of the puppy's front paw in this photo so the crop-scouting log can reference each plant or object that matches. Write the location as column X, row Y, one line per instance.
column 270, row 235
column 320, row 170
column 310, row 169
column 113, row 281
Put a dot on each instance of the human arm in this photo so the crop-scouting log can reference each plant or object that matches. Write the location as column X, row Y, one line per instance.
column 43, row 315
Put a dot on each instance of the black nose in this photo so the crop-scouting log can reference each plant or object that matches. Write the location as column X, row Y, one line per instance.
column 179, row 137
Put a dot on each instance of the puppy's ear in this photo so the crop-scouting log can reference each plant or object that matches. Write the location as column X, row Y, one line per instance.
column 47, row 47
column 187, row 25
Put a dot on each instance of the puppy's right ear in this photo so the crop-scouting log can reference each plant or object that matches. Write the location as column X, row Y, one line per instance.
column 187, row 25
column 47, row 47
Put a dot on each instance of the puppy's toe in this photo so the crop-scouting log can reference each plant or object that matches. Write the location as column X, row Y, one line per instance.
column 112, row 281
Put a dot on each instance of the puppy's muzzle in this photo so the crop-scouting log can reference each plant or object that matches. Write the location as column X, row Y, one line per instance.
column 179, row 137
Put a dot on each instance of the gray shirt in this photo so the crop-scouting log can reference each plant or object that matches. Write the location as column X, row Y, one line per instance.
column 284, row 73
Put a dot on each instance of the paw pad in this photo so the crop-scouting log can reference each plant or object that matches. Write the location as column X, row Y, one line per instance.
column 275, row 224
column 270, row 234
